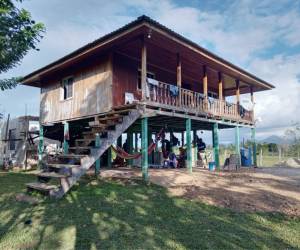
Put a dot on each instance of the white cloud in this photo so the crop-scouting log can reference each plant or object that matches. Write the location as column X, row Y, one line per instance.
column 281, row 106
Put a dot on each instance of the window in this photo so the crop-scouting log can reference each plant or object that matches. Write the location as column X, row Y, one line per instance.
column 67, row 88
column 149, row 75
column 12, row 139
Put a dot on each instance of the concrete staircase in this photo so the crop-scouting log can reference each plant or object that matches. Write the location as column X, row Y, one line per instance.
column 70, row 167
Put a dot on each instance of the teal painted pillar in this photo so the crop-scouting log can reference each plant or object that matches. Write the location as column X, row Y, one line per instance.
column 145, row 148
column 253, row 132
column 41, row 146
column 216, row 147
column 237, row 143
column 109, row 157
column 188, row 125
column 97, row 145
column 130, row 146
column 66, row 138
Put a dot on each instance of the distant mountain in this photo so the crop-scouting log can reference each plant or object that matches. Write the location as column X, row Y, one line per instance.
column 275, row 139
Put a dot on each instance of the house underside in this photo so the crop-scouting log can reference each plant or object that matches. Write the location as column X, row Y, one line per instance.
column 141, row 78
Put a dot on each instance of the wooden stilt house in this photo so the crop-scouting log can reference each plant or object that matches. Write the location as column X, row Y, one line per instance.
column 136, row 79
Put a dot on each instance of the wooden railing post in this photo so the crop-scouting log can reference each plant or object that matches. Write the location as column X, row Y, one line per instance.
column 220, row 83
column 179, row 77
column 144, row 69
column 237, row 82
column 205, row 89
column 252, row 101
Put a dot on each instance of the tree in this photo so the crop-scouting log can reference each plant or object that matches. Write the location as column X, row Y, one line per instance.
column 18, row 34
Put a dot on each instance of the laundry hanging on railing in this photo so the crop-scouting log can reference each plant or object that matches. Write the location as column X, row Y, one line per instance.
column 152, row 81
column 174, row 90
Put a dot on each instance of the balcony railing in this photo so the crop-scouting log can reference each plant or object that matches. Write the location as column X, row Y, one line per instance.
column 190, row 101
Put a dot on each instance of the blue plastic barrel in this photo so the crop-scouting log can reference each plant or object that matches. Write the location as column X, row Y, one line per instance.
column 211, row 166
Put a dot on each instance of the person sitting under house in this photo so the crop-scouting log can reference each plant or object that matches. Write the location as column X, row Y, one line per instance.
column 181, row 158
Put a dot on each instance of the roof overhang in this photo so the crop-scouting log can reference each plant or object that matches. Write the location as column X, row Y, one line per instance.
column 135, row 29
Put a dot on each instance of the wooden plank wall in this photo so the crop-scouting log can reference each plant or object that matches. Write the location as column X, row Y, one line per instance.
column 91, row 93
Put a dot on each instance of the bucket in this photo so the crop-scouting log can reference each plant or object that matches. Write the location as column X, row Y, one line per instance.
column 211, row 166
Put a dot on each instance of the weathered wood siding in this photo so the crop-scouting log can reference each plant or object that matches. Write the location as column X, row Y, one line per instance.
column 92, row 92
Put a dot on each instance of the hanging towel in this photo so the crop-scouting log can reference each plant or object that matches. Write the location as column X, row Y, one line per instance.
column 174, row 90
column 152, row 81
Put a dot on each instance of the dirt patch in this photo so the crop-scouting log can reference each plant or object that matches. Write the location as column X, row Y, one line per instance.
column 274, row 189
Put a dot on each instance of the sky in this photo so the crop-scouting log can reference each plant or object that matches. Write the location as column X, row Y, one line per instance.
column 259, row 36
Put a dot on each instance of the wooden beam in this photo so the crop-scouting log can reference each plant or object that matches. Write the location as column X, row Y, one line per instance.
column 205, row 89
column 220, row 83
column 178, row 75
column 237, row 82
column 144, row 69
column 237, row 92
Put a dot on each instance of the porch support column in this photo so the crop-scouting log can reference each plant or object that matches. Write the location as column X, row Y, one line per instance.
column 66, row 138
column 237, row 143
column 237, row 82
column 216, row 147
column 205, row 87
column 252, row 100
column 130, row 146
column 179, row 76
column 188, row 125
column 145, row 149
column 182, row 138
column 97, row 145
column 41, row 146
column 253, row 146
column 220, row 83
column 144, row 69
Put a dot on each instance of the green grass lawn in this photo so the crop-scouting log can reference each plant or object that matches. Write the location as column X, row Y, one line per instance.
column 111, row 215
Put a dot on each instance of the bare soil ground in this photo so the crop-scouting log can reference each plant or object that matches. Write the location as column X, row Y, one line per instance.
column 275, row 189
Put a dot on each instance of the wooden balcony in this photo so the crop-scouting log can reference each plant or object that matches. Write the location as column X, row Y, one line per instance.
column 172, row 97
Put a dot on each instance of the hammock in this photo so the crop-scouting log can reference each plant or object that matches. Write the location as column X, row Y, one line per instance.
column 123, row 154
